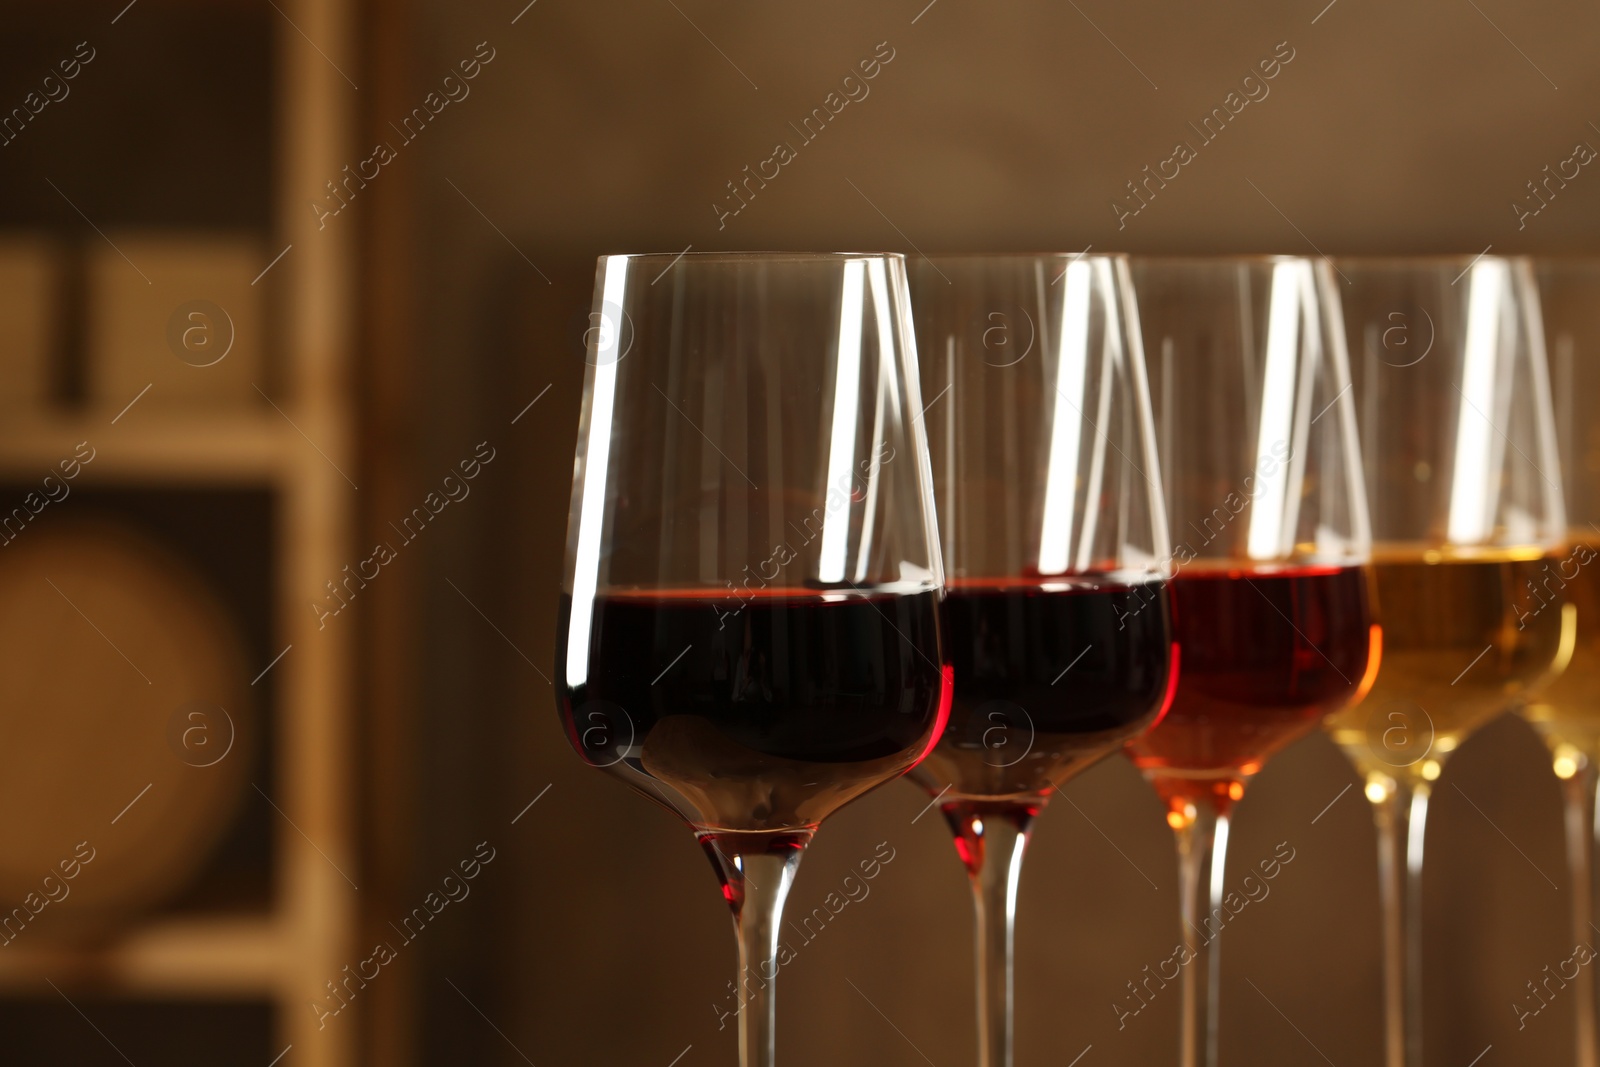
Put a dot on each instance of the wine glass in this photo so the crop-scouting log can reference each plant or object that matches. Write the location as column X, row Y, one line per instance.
column 1275, row 621
column 1567, row 712
column 1464, row 485
column 1056, row 615
column 749, row 625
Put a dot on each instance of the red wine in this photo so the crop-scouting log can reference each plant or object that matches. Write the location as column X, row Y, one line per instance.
column 1265, row 656
column 758, row 713
column 1049, row 677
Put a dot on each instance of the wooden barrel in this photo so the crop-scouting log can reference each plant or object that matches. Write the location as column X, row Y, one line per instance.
column 126, row 728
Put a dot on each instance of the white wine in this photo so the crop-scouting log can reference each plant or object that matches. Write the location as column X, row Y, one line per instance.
column 1464, row 639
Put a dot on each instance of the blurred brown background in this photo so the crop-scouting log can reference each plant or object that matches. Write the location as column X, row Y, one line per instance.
column 452, row 291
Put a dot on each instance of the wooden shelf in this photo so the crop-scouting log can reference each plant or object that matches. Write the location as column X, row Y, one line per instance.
column 244, row 447
column 304, row 450
column 201, row 957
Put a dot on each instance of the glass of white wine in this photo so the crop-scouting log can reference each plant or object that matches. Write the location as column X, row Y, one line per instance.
column 1464, row 485
column 1567, row 713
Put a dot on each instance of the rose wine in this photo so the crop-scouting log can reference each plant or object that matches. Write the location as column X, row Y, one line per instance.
column 1464, row 640
column 1266, row 654
column 755, row 713
column 1049, row 677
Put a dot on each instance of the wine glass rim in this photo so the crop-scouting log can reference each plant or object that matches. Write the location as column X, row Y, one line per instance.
column 950, row 257
column 1563, row 259
column 1564, row 263
column 1426, row 260
column 737, row 257
column 1204, row 259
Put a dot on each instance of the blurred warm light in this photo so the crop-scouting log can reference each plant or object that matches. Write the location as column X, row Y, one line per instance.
column 1430, row 769
column 1568, row 761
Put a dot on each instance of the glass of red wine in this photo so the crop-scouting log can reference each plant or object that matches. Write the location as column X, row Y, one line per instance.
column 1056, row 614
column 749, row 624
column 1250, row 382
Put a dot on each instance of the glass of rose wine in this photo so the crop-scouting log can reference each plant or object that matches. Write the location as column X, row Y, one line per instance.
column 748, row 629
column 1274, row 616
column 1056, row 616
column 1464, row 486
column 1567, row 713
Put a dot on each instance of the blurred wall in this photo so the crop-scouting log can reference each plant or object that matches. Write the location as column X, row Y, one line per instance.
column 608, row 127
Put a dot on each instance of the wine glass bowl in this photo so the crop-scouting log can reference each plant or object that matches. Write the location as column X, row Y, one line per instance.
column 1265, row 497
column 757, row 643
column 1567, row 712
column 1464, row 487
column 1055, row 615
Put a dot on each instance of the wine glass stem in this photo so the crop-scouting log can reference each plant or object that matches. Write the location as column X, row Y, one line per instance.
column 1401, row 818
column 756, row 875
column 1389, row 815
column 1202, row 856
column 1578, row 792
column 995, row 872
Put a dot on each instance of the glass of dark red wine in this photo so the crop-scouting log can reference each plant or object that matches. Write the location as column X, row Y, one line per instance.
column 1250, row 382
column 1056, row 614
column 749, row 625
